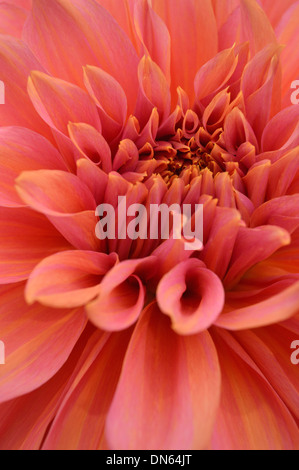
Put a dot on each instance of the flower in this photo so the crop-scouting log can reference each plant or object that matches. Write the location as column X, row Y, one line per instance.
column 142, row 344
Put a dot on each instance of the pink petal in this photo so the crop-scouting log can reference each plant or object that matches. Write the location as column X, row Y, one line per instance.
column 215, row 73
column 251, row 415
column 26, row 237
column 20, row 430
column 122, row 295
column 69, row 279
column 193, row 33
column 16, row 63
column 90, row 36
column 154, row 92
column 92, row 388
column 253, row 246
column 276, row 307
column 91, row 145
column 12, row 19
column 191, row 296
column 154, row 35
column 23, row 150
column 37, row 346
column 158, row 369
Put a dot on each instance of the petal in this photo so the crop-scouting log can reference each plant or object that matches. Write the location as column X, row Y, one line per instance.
column 256, row 26
column 251, row 415
column 282, row 132
column 154, row 35
column 23, row 150
column 253, row 246
column 193, row 31
column 122, row 295
column 12, row 19
column 20, row 430
column 37, row 341
column 154, row 92
column 154, row 406
column 69, row 279
column 215, row 73
column 270, row 349
column 59, row 102
column 191, row 296
column 91, row 144
column 89, row 396
column 26, row 237
column 16, row 63
column 90, row 36
column 66, row 201
column 276, row 307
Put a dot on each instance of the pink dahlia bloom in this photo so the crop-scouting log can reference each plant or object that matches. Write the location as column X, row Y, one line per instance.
column 140, row 343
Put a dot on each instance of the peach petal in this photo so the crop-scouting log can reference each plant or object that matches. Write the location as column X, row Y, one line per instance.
column 122, row 295
column 110, row 99
column 21, row 150
column 154, row 92
column 93, row 385
column 16, row 63
column 282, row 132
column 215, row 73
column 59, row 102
column 249, row 404
column 12, row 19
column 154, row 35
column 270, row 349
column 218, row 250
column 69, row 279
column 26, row 237
column 20, row 430
column 54, row 192
column 43, row 329
column 193, row 31
column 253, row 246
column 91, row 36
column 282, row 211
column 91, row 145
column 155, row 380
column 277, row 307
column 192, row 296
column 255, row 26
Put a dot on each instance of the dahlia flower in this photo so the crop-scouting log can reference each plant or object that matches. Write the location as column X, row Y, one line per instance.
column 138, row 343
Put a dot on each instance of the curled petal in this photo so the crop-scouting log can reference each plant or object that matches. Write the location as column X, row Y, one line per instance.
column 122, row 295
column 69, row 279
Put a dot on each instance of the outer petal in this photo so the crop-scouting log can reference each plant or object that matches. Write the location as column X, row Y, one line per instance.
column 16, row 63
column 12, row 19
column 66, row 201
column 251, row 415
column 90, row 36
column 87, row 402
column 20, row 430
column 69, row 279
column 168, row 391
column 37, row 341
column 270, row 349
column 23, row 150
column 26, row 237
